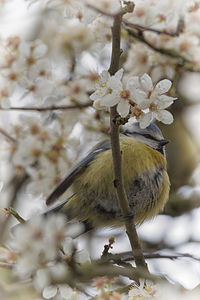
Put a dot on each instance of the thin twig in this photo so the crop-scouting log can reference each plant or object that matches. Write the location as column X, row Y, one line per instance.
column 128, row 256
column 6, row 265
column 100, row 11
column 47, row 108
column 144, row 28
column 167, row 52
column 8, row 137
column 118, row 181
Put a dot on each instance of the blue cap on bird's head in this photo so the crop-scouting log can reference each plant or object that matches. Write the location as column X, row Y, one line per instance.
column 151, row 135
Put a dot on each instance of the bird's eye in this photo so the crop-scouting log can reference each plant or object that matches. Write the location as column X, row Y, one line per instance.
column 148, row 136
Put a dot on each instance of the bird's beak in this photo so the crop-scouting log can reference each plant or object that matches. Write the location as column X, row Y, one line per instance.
column 164, row 142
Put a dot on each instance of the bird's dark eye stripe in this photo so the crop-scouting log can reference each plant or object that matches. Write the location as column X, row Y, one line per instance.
column 148, row 136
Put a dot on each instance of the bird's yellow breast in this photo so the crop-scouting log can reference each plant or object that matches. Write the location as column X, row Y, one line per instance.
column 137, row 158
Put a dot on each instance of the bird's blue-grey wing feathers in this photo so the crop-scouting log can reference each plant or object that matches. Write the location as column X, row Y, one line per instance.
column 77, row 169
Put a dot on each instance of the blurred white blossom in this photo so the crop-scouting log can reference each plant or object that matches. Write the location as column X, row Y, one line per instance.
column 139, row 60
column 38, row 244
column 109, row 6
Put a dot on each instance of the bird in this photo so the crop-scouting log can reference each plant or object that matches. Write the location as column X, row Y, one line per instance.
column 144, row 170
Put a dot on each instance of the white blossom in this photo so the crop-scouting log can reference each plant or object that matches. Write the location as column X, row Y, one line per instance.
column 109, row 6
column 101, row 29
column 65, row 291
column 37, row 243
column 146, row 96
column 109, row 92
column 146, row 290
column 140, row 59
column 30, row 53
column 77, row 39
column 76, row 90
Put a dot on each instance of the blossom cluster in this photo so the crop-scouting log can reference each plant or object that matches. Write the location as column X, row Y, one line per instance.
column 139, row 96
column 40, row 151
column 42, row 247
column 145, row 290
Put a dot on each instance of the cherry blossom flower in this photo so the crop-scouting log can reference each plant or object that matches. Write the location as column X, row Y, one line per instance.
column 140, row 59
column 76, row 90
column 146, row 290
column 77, row 39
column 109, row 92
column 30, row 53
column 146, row 96
column 101, row 29
column 109, row 6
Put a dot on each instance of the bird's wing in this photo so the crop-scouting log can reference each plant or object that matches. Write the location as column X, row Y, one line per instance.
column 77, row 169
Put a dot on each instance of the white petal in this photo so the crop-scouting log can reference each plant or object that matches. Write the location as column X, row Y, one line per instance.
column 133, row 83
column 97, row 104
column 110, row 100
column 164, row 116
column 24, row 49
column 145, row 120
column 123, row 108
column 41, row 279
column 114, row 84
column 68, row 246
column 138, row 96
column 40, row 50
column 163, row 86
column 144, row 104
column 49, row 292
column 146, row 82
column 164, row 101
column 104, row 76
column 82, row 256
column 65, row 291
column 118, row 75
column 98, row 94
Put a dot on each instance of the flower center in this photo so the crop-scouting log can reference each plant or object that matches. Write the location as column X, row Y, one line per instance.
column 136, row 111
column 149, row 94
column 125, row 94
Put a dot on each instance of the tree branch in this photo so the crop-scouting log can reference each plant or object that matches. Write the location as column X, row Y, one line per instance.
column 128, row 256
column 47, row 108
column 88, row 271
column 118, row 181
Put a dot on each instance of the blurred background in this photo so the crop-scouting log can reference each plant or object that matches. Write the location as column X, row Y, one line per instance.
column 51, row 55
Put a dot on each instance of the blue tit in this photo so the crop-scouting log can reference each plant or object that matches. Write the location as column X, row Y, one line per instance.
column 146, row 181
